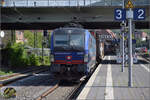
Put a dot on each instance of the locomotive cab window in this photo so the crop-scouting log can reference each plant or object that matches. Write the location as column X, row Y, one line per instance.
column 61, row 38
column 77, row 39
column 69, row 39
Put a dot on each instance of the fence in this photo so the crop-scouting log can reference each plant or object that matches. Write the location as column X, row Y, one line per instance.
column 38, row 51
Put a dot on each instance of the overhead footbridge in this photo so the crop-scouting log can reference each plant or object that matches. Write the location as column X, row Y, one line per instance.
column 50, row 14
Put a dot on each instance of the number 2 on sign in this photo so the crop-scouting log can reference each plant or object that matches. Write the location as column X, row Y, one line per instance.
column 141, row 14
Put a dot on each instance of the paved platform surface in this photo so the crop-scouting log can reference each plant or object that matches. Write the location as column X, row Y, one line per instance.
column 108, row 82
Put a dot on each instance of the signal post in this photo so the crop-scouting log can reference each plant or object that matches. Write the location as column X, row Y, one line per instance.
column 129, row 14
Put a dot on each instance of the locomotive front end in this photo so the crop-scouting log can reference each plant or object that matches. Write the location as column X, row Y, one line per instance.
column 67, row 56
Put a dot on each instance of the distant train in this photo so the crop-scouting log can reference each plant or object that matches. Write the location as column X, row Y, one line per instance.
column 73, row 53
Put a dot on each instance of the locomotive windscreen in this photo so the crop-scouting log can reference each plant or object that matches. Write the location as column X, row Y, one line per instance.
column 69, row 39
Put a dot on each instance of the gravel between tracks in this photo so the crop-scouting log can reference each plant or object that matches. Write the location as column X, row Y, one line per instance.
column 60, row 93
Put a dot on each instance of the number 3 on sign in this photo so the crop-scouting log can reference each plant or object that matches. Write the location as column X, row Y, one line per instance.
column 119, row 14
column 139, row 14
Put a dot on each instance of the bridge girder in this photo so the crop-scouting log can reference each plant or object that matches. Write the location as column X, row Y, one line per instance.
column 87, row 25
column 53, row 17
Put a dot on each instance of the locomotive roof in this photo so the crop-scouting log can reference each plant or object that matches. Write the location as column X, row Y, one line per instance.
column 70, row 28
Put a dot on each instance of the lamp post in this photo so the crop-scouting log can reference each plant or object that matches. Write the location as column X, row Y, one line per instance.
column 123, row 28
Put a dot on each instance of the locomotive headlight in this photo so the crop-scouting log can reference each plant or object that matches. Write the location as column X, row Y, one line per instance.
column 52, row 58
column 69, row 57
column 86, row 58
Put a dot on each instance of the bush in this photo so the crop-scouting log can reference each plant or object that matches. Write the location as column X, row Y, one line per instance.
column 34, row 60
column 46, row 60
column 18, row 56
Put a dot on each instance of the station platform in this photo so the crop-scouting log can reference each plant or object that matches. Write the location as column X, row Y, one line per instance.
column 108, row 82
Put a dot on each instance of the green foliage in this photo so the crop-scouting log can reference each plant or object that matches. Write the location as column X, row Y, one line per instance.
column 49, row 40
column 29, row 35
column 0, row 94
column 5, row 73
column 34, row 60
column 18, row 56
column 46, row 60
column 39, row 40
column 30, row 38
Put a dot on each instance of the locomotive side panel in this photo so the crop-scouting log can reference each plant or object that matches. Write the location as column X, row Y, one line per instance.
column 72, row 56
column 91, row 52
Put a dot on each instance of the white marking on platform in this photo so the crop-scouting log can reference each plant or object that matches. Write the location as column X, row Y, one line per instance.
column 87, row 88
column 145, row 67
column 109, row 84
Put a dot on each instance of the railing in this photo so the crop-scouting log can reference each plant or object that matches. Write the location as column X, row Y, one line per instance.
column 38, row 3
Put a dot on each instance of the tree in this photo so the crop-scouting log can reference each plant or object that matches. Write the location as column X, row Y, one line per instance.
column 39, row 39
column 29, row 35
column 30, row 38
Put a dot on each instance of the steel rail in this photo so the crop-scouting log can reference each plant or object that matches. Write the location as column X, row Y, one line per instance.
column 48, row 92
column 17, row 74
column 21, row 77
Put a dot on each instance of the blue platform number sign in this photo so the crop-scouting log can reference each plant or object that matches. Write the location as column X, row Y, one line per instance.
column 139, row 13
column 120, row 14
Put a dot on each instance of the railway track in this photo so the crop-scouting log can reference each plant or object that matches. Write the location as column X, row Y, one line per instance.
column 59, row 91
column 17, row 74
column 64, row 90
column 148, row 59
column 31, row 87
column 48, row 92
column 15, row 77
column 67, row 88
column 75, row 91
column 145, row 57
